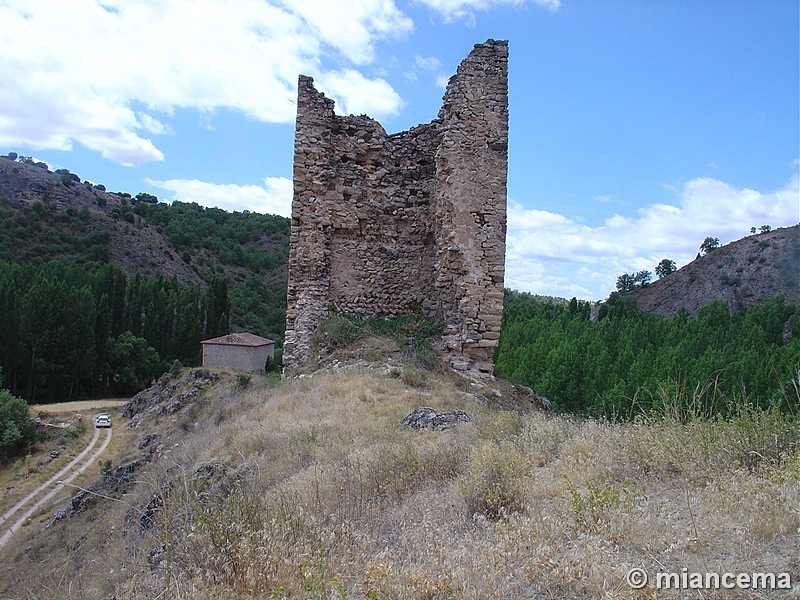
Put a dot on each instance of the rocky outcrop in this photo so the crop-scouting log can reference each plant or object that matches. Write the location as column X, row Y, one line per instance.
column 409, row 223
column 167, row 398
column 743, row 273
column 428, row 418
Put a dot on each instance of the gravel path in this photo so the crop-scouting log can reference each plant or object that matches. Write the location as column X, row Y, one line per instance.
column 63, row 477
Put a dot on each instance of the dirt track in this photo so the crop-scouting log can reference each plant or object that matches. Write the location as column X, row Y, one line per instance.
column 77, row 466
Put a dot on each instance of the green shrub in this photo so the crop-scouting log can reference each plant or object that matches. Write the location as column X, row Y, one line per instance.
column 175, row 368
column 338, row 332
column 592, row 508
column 242, row 381
column 17, row 429
column 412, row 332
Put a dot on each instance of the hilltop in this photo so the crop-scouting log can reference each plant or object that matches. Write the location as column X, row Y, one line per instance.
column 743, row 273
column 226, row 487
column 69, row 215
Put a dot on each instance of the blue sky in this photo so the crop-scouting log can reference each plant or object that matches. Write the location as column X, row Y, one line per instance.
column 637, row 128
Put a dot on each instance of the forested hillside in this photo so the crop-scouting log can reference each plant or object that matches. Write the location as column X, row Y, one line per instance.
column 69, row 330
column 743, row 274
column 101, row 291
column 629, row 362
column 55, row 215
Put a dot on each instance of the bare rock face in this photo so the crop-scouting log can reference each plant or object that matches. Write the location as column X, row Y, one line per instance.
column 409, row 223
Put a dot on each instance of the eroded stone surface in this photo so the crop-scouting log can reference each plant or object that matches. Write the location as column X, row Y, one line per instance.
column 409, row 223
column 429, row 418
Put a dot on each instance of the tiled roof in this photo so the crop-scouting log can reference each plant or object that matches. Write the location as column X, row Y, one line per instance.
column 239, row 339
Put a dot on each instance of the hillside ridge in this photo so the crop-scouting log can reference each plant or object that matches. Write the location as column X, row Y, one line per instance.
column 743, row 273
column 49, row 215
column 133, row 249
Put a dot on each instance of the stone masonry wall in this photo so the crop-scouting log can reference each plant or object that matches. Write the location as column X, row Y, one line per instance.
column 412, row 222
column 251, row 359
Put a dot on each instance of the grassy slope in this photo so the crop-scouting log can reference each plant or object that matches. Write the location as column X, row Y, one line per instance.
column 311, row 489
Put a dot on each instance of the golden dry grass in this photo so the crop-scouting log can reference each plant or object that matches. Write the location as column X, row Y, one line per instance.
column 311, row 489
column 77, row 406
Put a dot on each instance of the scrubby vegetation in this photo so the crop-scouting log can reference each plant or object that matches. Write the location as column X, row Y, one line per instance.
column 39, row 232
column 17, row 429
column 412, row 334
column 312, row 489
column 236, row 238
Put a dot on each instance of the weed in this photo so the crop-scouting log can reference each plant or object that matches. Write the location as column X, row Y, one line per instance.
column 414, row 377
column 338, row 332
column 592, row 508
column 242, row 381
column 411, row 331
column 491, row 485
column 503, row 426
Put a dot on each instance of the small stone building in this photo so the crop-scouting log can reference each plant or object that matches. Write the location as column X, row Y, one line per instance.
column 239, row 351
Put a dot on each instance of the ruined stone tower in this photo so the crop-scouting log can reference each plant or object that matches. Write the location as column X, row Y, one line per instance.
column 408, row 223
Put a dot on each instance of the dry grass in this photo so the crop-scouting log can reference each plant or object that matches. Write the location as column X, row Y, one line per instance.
column 311, row 489
column 77, row 406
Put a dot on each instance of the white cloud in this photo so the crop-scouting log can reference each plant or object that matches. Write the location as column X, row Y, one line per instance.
column 108, row 74
column 358, row 95
column 274, row 197
column 464, row 10
column 428, row 63
column 551, row 254
column 148, row 123
column 352, row 29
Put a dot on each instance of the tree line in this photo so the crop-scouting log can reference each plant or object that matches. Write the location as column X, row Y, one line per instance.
column 69, row 330
column 623, row 362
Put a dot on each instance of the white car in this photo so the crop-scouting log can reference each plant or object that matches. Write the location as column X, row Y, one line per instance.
column 102, row 420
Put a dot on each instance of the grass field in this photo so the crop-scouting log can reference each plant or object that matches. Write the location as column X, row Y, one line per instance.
column 77, row 406
column 312, row 489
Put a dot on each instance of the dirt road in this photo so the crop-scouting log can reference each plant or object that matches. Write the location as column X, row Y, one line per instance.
column 40, row 495
column 77, row 406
